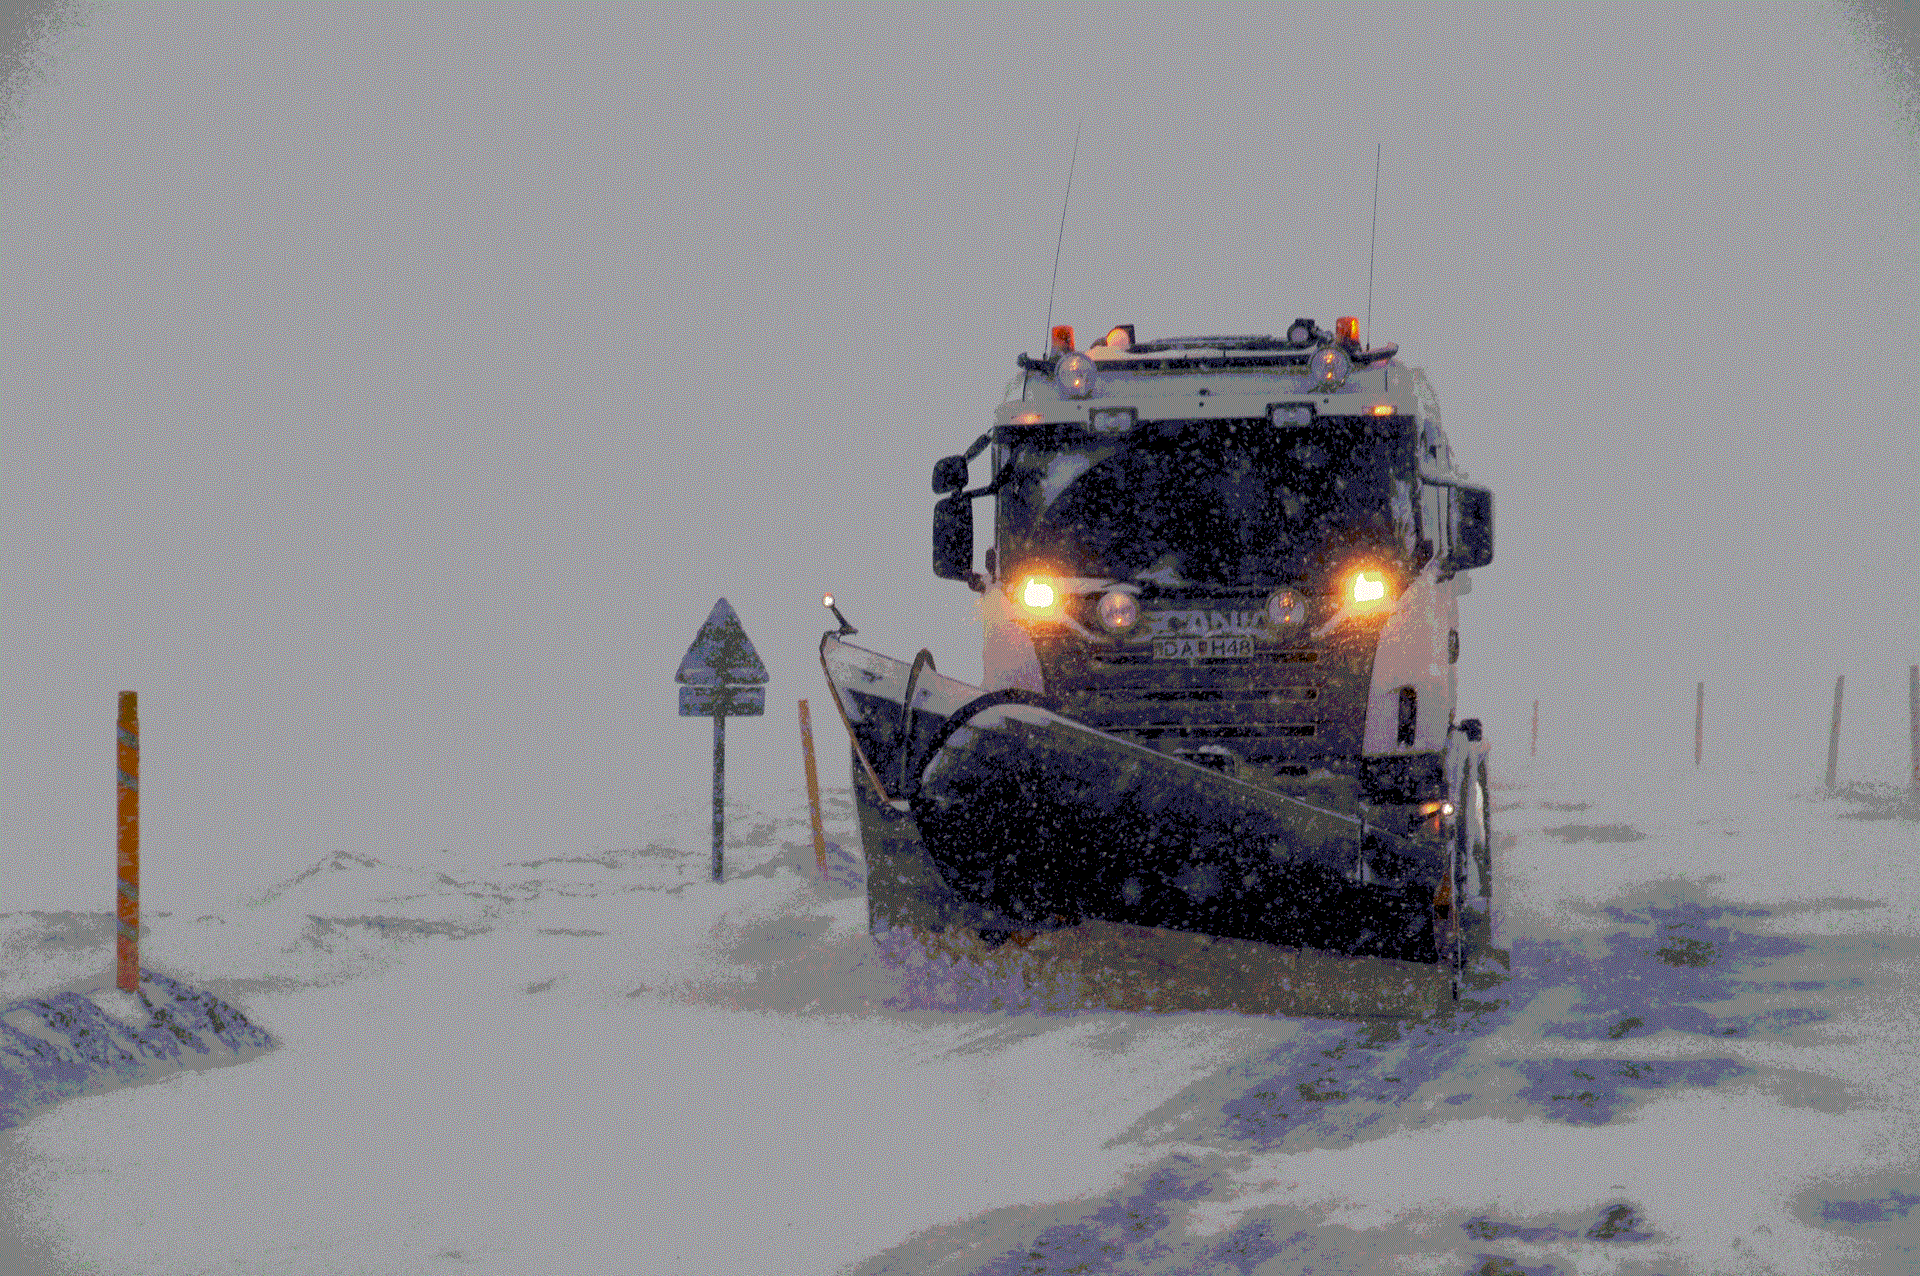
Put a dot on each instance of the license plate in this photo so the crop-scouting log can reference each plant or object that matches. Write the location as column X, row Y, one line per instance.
column 1201, row 648
column 1203, row 635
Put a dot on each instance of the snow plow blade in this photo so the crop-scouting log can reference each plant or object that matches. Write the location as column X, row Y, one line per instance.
column 1131, row 877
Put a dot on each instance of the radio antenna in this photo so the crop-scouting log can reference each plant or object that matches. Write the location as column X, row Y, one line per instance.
column 1372, row 239
column 1061, row 237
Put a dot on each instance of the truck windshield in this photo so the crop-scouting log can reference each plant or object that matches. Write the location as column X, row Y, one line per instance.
column 1217, row 503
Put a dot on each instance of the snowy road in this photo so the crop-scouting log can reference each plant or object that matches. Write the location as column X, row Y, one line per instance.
column 602, row 1062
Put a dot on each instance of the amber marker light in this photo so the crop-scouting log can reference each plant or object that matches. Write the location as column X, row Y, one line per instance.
column 1346, row 330
column 1381, row 409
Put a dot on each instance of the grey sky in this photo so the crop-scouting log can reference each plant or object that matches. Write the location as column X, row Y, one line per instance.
column 389, row 393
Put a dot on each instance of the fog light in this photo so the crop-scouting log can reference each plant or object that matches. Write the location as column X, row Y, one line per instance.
column 1119, row 611
column 1286, row 609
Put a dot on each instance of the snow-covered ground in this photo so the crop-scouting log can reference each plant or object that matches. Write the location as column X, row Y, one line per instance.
column 601, row 1061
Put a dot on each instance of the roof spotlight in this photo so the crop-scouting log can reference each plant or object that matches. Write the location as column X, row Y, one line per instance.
column 1300, row 333
column 1329, row 367
column 1075, row 376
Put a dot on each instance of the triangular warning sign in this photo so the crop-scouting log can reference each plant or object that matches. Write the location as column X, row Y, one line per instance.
column 721, row 652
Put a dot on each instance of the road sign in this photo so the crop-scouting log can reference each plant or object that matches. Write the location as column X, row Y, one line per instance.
column 720, row 659
column 732, row 702
column 721, row 652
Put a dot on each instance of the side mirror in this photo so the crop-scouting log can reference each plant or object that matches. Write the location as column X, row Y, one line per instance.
column 1473, row 534
column 949, row 474
column 953, row 537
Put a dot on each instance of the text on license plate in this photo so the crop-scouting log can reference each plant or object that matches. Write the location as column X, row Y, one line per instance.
column 1201, row 648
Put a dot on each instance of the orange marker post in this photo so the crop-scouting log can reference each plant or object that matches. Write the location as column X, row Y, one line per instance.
column 1833, row 736
column 813, row 790
column 1699, row 720
column 129, row 894
column 1913, row 724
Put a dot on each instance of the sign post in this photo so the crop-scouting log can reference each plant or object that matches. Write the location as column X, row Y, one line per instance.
column 710, row 677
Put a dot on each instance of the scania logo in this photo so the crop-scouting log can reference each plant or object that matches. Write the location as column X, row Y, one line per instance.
column 1203, row 624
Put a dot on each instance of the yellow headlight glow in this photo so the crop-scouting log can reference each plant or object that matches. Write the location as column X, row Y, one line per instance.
column 1036, row 593
column 1369, row 587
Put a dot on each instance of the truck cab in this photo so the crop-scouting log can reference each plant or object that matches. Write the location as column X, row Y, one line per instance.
column 1242, row 551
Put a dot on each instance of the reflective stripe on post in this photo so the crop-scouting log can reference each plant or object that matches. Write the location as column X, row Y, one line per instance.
column 128, row 901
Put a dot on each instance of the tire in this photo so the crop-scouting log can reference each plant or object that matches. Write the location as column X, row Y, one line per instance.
column 1473, row 852
column 1449, row 935
column 1483, row 853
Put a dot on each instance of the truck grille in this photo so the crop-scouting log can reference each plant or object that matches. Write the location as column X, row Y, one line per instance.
column 1270, row 708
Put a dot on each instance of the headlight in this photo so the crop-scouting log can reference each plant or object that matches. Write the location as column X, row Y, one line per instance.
column 1368, row 586
column 1329, row 367
column 1119, row 611
column 1074, row 373
column 1037, row 594
column 1286, row 609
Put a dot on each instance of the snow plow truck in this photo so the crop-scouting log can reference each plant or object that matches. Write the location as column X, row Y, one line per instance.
column 1215, row 762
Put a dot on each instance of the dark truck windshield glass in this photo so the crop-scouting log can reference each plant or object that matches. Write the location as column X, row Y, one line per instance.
column 1212, row 502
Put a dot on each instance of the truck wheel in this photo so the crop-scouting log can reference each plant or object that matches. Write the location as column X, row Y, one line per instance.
column 1449, row 940
column 1472, row 851
column 1483, row 828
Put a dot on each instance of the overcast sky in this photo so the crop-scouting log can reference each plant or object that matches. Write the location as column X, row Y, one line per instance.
column 389, row 393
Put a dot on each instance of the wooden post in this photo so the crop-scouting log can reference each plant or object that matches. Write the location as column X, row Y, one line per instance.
column 1833, row 737
column 128, row 899
column 1913, row 723
column 813, row 790
column 1699, row 719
